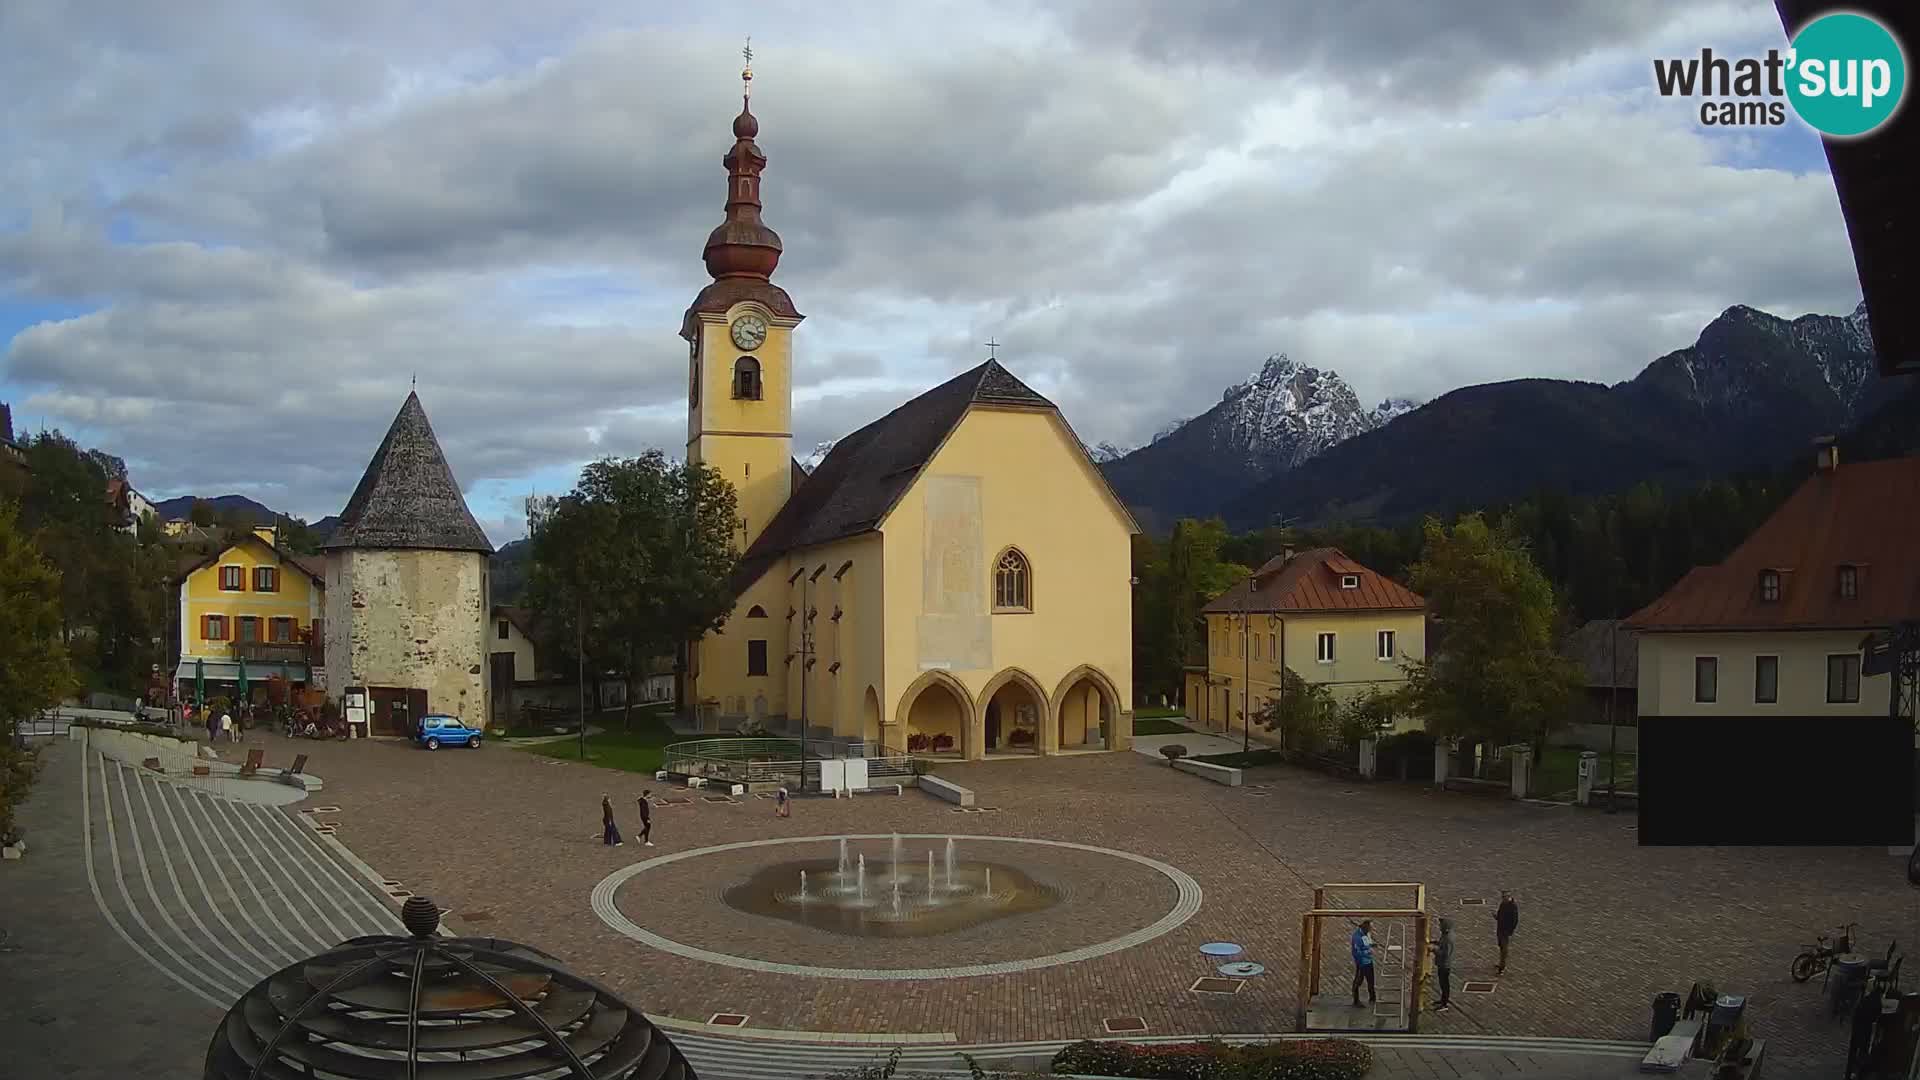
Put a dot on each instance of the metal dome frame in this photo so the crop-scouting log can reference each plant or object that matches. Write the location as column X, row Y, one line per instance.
column 339, row 1014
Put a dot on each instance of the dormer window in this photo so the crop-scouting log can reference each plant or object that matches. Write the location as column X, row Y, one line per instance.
column 746, row 379
column 1769, row 586
column 1847, row 582
column 1349, row 581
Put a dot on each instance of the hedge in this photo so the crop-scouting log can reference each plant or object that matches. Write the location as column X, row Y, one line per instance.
column 1292, row 1059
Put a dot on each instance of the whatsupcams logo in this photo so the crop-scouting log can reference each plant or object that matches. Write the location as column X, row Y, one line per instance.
column 1844, row 74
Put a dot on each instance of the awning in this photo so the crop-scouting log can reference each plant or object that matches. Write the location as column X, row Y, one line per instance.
column 229, row 671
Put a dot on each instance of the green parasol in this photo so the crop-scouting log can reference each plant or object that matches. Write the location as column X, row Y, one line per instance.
column 240, row 692
column 199, row 684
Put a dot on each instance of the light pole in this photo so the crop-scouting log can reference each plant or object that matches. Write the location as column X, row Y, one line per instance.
column 805, row 655
column 1246, row 669
column 1613, row 691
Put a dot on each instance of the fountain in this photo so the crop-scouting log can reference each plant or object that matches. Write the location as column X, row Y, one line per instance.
column 833, row 896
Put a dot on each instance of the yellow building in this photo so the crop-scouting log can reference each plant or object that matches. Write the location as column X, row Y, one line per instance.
column 254, row 602
column 1327, row 618
column 953, row 579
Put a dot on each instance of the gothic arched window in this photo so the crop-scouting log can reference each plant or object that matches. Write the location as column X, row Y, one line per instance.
column 756, row 612
column 746, row 378
column 1012, row 582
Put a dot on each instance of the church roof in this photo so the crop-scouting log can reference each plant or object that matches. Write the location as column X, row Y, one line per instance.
column 867, row 472
column 408, row 499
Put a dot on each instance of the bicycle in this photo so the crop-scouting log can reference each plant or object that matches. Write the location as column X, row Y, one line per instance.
column 1819, row 956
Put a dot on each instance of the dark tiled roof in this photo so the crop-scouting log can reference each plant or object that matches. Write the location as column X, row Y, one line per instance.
column 407, row 498
column 1863, row 515
column 865, row 473
column 1310, row 582
column 1616, row 664
column 722, row 294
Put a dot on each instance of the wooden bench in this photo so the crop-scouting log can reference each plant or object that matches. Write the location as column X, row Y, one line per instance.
column 252, row 766
column 152, row 763
column 299, row 765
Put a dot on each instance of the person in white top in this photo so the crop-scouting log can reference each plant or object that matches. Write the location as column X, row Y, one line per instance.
column 226, row 726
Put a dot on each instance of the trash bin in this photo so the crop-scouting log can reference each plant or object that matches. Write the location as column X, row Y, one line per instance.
column 1666, row 1012
column 1845, row 981
column 1721, row 1020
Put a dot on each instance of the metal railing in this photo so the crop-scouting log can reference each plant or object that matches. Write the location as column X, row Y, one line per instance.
column 775, row 760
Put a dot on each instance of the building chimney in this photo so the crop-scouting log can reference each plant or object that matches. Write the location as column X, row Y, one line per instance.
column 1826, row 454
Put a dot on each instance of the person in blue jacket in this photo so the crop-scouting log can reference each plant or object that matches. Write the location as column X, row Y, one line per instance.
column 1363, row 960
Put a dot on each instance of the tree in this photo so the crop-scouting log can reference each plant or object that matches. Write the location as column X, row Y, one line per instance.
column 640, row 554
column 201, row 513
column 34, row 669
column 1303, row 713
column 1498, row 675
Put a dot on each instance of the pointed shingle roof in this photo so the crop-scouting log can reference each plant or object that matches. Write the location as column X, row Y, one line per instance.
column 408, row 498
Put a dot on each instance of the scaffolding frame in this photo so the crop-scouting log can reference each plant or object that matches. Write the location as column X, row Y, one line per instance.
column 1412, row 970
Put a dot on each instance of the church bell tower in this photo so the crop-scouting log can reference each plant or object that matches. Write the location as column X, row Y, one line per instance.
column 739, row 334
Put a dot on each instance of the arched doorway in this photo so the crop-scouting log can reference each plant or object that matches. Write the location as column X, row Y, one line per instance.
column 870, row 717
column 934, row 711
column 1013, row 714
column 1088, row 708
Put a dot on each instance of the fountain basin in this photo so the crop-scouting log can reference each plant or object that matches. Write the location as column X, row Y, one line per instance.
column 979, row 892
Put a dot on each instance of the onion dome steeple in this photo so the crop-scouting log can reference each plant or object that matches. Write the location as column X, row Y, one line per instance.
column 742, row 246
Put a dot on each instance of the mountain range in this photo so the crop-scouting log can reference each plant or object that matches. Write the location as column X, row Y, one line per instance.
column 1294, row 444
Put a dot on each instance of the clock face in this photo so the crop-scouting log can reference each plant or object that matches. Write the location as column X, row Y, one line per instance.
column 749, row 331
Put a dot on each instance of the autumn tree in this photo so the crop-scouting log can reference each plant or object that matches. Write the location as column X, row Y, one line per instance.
column 1498, row 675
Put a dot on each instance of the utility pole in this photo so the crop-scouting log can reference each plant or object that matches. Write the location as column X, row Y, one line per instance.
column 1613, row 691
column 580, row 653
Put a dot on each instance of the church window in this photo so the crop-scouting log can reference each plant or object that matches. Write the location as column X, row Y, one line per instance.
column 1012, row 583
column 746, row 378
column 756, row 612
column 756, row 657
column 693, row 383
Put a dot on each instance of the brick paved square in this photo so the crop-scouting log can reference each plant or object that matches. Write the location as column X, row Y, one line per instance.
column 1605, row 925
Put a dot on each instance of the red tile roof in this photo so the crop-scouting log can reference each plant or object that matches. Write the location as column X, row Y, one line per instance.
column 1863, row 515
column 1310, row 582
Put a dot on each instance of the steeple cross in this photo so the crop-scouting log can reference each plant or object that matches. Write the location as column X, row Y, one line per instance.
column 992, row 349
column 746, row 73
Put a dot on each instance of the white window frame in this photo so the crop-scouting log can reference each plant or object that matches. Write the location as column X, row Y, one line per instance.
column 1349, row 581
column 1386, row 645
column 1715, row 699
column 1326, row 647
column 1859, row 676
column 1775, row 657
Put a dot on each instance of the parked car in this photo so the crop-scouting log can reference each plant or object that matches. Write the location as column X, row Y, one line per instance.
column 437, row 731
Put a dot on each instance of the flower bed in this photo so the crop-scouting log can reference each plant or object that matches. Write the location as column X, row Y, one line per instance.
column 1293, row 1059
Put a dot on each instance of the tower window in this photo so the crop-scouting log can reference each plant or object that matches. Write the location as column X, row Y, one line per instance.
column 1769, row 586
column 756, row 657
column 1849, row 583
column 1012, row 583
column 746, row 378
column 693, row 383
column 756, row 612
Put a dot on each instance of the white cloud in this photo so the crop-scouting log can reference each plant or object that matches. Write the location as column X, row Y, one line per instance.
column 1141, row 200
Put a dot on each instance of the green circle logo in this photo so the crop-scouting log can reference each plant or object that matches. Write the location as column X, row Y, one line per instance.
column 1847, row 74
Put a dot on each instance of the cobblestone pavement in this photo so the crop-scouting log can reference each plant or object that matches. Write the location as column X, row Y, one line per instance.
column 509, row 842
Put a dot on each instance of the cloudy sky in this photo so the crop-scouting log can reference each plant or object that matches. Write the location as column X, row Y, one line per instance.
column 231, row 231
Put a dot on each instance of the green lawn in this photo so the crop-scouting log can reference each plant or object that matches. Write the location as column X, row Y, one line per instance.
column 1164, row 724
column 1160, row 712
column 1559, row 772
column 638, row 750
column 1246, row 759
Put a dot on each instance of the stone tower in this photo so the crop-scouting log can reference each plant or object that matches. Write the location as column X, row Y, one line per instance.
column 406, row 601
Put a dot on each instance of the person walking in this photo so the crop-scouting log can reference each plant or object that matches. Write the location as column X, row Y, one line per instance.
column 609, row 832
column 226, row 726
column 1506, row 919
column 646, row 817
column 1443, row 965
column 1363, row 961
column 781, row 807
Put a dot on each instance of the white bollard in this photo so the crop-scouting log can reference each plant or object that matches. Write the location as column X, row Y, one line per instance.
column 1442, row 761
column 1369, row 757
column 1522, row 771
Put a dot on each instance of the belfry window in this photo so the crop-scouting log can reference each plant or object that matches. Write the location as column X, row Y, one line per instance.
column 746, row 378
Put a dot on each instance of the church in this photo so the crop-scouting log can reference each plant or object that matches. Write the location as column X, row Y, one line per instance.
column 953, row 580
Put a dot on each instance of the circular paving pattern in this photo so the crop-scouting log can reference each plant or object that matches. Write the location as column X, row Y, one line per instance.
column 1099, row 890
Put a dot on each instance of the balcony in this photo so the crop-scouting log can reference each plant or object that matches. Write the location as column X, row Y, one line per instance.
column 275, row 652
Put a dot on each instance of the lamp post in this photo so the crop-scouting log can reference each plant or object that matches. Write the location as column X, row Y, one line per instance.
column 1613, row 691
column 805, row 655
column 1246, row 669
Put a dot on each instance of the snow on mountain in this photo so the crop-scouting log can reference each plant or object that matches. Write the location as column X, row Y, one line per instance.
column 1101, row 453
column 820, row 450
column 1289, row 413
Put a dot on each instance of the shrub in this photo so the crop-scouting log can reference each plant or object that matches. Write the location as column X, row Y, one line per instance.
column 1292, row 1059
column 1173, row 752
column 921, row 766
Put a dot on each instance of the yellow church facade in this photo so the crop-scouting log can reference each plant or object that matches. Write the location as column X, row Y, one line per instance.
column 952, row 580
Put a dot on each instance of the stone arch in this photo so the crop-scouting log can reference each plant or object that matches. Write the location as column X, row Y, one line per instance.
column 1008, row 717
column 746, row 379
column 906, row 714
column 1071, row 717
column 870, row 716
